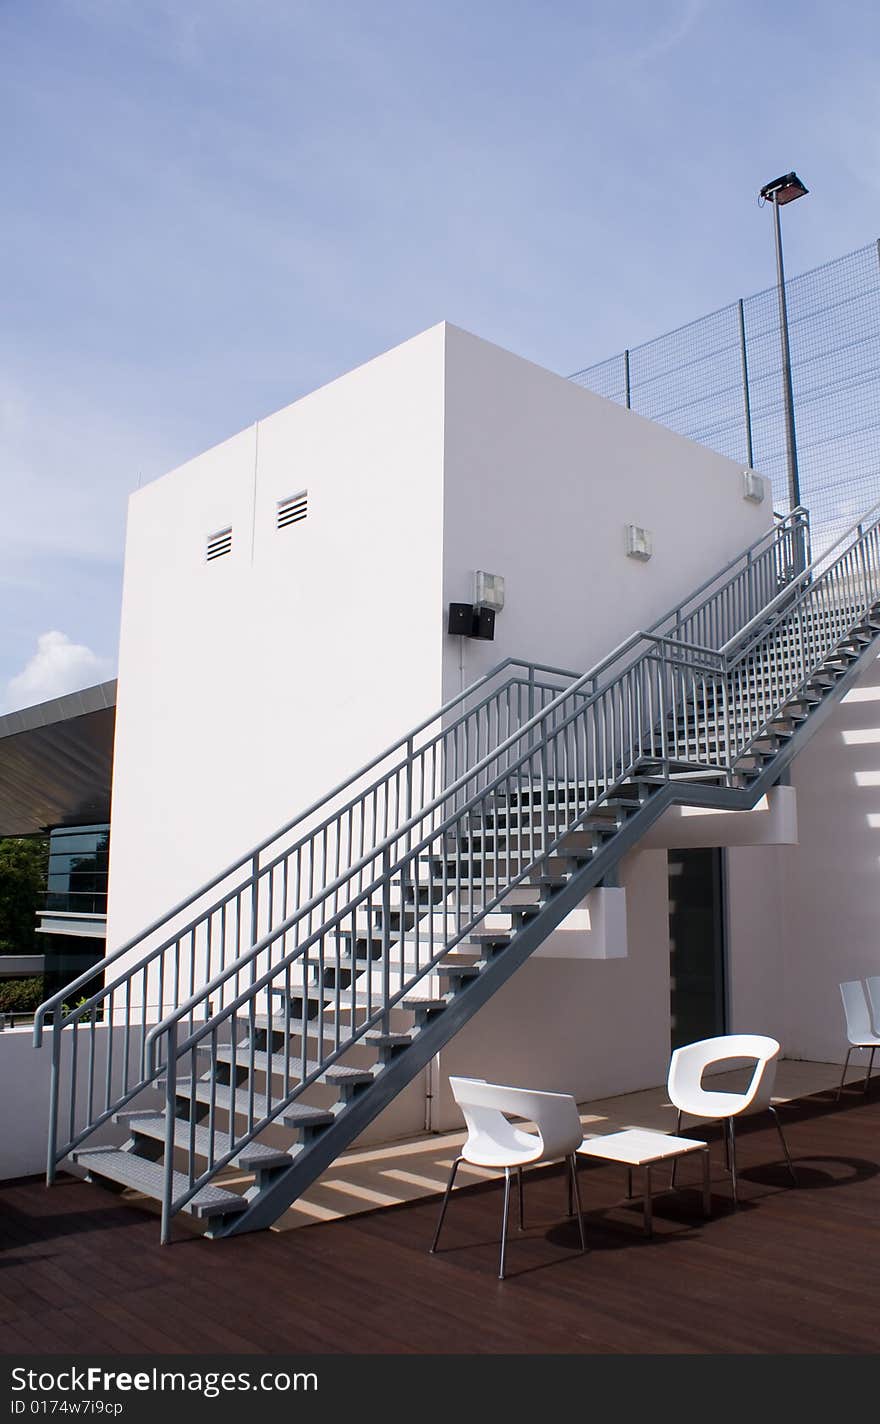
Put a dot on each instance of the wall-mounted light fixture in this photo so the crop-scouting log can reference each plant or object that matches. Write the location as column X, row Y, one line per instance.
column 754, row 488
column 488, row 590
column 639, row 542
column 477, row 619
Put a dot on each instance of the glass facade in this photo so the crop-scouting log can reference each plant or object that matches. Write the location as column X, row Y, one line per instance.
column 78, row 860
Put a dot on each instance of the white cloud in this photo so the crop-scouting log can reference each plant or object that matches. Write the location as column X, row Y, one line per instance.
column 58, row 666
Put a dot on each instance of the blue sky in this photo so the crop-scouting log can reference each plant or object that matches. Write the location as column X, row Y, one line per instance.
column 213, row 206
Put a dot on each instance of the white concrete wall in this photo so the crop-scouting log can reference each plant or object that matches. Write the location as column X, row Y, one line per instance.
column 830, row 920
column 24, row 1118
column 588, row 1027
column 803, row 917
column 250, row 685
column 541, row 477
column 755, row 967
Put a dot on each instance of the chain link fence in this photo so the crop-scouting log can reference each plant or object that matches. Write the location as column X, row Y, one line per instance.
column 718, row 380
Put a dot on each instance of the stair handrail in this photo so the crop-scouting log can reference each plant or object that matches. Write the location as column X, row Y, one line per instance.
column 667, row 648
column 185, row 1009
column 806, row 575
column 173, row 960
column 853, row 590
column 89, row 975
column 773, row 536
column 715, row 661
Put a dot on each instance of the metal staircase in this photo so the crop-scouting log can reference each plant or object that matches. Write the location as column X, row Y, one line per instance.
column 266, row 1021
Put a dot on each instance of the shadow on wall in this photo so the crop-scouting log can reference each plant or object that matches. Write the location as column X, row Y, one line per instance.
column 831, row 910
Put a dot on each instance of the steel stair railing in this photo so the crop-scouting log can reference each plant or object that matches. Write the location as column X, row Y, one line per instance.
column 586, row 740
column 591, row 743
column 264, row 893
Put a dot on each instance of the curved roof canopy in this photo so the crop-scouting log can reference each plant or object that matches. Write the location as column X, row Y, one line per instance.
column 56, row 760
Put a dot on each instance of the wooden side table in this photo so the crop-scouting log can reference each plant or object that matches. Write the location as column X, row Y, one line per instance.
column 640, row 1147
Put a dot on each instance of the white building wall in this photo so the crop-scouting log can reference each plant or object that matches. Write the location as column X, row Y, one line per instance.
column 250, row 685
column 830, row 918
column 755, row 960
column 540, row 479
column 588, row 1027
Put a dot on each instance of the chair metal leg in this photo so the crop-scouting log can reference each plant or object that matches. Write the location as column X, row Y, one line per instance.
column 519, row 1176
column 784, row 1144
column 731, row 1138
column 868, row 1074
column 445, row 1202
column 504, row 1221
column 675, row 1159
column 843, row 1074
column 707, row 1183
column 577, row 1198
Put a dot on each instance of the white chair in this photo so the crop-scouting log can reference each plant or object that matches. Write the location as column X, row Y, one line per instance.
column 859, row 1029
column 686, row 1091
column 872, row 986
column 494, row 1142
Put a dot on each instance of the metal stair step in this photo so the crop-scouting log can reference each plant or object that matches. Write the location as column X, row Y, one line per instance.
column 141, row 1175
column 294, row 1115
column 260, row 1060
column 256, row 1156
column 380, row 1039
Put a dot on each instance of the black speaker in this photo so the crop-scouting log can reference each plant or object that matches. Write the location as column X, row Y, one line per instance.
column 465, row 621
column 484, row 624
column 461, row 619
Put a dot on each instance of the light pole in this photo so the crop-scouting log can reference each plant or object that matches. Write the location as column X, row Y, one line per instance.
column 781, row 191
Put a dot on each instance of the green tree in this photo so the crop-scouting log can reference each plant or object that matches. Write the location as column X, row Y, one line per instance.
column 23, row 865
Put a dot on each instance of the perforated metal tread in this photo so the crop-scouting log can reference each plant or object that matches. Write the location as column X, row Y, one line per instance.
column 255, row 1157
column 294, row 1115
column 260, row 1061
column 129, row 1170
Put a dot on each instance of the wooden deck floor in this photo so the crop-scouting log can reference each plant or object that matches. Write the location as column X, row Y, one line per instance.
column 793, row 1270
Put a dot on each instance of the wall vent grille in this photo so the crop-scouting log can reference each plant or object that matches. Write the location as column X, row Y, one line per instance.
column 219, row 544
column 292, row 510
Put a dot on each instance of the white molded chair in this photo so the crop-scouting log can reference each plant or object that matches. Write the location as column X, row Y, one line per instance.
column 686, row 1091
column 872, row 988
column 859, row 1029
column 494, row 1142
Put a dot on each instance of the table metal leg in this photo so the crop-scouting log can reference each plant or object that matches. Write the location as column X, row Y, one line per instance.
column 649, row 1219
column 629, row 1183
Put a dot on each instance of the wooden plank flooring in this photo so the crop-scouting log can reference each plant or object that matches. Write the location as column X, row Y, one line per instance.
column 793, row 1270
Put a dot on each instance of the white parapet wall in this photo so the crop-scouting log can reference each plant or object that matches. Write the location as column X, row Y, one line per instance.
column 25, row 1072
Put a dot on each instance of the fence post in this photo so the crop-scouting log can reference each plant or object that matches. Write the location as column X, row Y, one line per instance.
column 747, row 405
column 627, row 388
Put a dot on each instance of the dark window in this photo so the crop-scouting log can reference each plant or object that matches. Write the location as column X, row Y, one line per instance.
column 696, row 945
column 77, row 878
